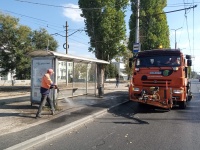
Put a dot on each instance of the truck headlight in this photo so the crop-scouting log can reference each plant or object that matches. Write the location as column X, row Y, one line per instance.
column 136, row 89
column 178, row 91
column 175, row 68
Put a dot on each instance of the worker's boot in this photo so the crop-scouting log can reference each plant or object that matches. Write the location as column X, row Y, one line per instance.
column 38, row 116
column 53, row 112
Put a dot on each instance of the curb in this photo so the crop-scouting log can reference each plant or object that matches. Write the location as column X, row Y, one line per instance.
column 46, row 136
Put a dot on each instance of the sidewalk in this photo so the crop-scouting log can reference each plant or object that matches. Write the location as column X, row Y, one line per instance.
column 19, row 128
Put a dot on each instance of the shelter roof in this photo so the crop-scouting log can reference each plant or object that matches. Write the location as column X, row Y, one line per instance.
column 65, row 57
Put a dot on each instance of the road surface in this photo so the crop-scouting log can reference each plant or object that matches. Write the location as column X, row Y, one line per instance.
column 132, row 126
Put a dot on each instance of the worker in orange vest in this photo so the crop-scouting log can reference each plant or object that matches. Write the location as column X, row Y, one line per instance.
column 46, row 85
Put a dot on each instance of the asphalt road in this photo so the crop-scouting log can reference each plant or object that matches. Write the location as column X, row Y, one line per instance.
column 132, row 126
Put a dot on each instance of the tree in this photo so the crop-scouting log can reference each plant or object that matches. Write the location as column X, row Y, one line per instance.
column 16, row 41
column 80, row 70
column 105, row 25
column 41, row 40
column 154, row 31
column 126, row 55
column 22, row 47
column 194, row 75
column 91, row 72
column 34, row 40
column 110, row 71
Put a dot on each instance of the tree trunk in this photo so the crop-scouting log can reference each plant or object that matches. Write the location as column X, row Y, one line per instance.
column 100, row 79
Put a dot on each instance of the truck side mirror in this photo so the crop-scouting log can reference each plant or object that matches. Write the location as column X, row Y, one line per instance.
column 189, row 62
column 188, row 57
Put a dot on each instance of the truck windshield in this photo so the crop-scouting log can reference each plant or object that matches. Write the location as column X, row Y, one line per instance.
column 158, row 61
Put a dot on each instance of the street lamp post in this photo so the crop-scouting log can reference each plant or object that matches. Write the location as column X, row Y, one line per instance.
column 175, row 36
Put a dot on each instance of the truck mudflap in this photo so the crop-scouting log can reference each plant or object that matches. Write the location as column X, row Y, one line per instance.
column 153, row 95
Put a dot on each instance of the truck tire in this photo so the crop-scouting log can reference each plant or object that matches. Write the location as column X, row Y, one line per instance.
column 182, row 104
column 188, row 96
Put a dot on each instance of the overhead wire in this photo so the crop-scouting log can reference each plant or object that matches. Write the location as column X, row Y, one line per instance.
column 44, row 23
column 78, row 37
column 68, row 7
column 81, row 36
column 183, row 24
column 77, row 41
column 188, row 8
column 174, row 5
column 40, row 20
column 188, row 30
column 187, row 11
column 188, row 33
column 76, row 29
column 59, row 6
column 179, row 5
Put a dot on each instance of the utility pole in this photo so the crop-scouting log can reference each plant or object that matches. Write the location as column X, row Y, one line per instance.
column 66, row 39
column 175, row 36
column 136, row 45
column 137, row 39
column 66, row 47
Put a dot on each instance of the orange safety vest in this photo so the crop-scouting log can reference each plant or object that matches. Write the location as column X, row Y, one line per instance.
column 46, row 81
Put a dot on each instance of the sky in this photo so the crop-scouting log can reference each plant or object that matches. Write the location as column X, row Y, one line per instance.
column 32, row 13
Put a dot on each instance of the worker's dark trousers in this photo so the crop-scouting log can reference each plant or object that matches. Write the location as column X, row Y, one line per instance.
column 45, row 98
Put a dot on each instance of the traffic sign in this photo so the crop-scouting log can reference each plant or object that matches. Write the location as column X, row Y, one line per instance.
column 136, row 47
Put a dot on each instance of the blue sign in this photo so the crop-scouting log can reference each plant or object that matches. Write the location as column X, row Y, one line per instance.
column 136, row 47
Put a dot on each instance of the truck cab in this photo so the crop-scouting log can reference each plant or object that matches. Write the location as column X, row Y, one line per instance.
column 160, row 78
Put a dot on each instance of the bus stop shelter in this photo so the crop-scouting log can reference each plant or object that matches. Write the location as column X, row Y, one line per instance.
column 74, row 75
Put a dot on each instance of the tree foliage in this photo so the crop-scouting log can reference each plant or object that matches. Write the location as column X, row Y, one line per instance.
column 16, row 41
column 13, row 45
column 110, row 71
column 80, row 71
column 154, row 31
column 42, row 40
column 126, row 55
column 92, row 72
column 195, row 75
column 105, row 25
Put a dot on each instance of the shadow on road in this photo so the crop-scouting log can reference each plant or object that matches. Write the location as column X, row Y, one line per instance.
column 129, row 110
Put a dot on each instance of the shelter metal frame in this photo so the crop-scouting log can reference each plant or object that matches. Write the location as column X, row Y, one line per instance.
column 40, row 55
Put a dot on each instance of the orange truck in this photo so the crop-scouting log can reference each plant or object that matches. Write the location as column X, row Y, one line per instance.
column 161, row 78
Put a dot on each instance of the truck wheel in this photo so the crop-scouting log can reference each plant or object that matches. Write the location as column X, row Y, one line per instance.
column 188, row 96
column 182, row 104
